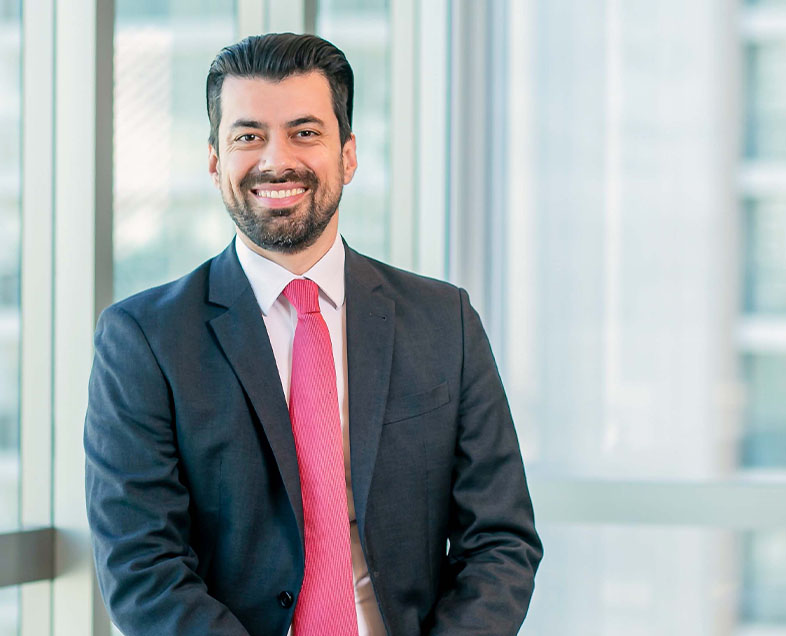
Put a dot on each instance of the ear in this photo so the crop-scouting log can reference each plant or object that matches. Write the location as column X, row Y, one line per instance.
column 213, row 166
column 349, row 156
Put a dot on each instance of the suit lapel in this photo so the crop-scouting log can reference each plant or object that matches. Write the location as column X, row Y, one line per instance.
column 241, row 333
column 370, row 329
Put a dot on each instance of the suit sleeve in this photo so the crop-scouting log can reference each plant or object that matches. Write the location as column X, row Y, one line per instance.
column 494, row 548
column 137, row 504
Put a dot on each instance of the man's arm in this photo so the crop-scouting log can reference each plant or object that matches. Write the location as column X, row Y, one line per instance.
column 494, row 549
column 136, row 503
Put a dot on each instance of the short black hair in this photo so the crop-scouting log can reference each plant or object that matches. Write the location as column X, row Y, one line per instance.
column 275, row 56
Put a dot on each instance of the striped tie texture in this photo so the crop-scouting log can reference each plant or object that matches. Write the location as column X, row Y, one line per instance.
column 326, row 603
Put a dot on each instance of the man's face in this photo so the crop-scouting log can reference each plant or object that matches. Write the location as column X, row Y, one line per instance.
column 280, row 164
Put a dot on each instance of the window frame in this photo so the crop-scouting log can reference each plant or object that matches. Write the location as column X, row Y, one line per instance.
column 67, row 198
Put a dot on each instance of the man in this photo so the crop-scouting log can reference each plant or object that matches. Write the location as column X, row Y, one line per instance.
column 294, row 436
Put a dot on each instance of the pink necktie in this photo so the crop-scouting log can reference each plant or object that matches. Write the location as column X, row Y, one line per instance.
column 326, row 604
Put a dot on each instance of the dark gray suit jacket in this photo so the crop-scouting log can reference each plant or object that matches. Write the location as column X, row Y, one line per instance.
column 192, row 482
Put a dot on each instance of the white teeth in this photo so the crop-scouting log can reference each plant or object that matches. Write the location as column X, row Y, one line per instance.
column 279, row 194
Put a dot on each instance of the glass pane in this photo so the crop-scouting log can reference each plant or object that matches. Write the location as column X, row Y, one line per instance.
column 764, row 579
column 10, row 244
column 621, row 358
column 9, row 611
column 168, row 216
column 765, row 100
column 650, row 581
column 765, row 256
column 766, row 3
column 361, row 29
column 764, row 441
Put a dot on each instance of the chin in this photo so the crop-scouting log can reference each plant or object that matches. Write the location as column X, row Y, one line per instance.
column 285, row 244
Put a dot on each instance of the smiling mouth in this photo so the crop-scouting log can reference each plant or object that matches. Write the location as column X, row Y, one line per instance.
column 280, row 197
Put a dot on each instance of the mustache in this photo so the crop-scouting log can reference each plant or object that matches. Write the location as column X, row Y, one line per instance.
column 256, row 178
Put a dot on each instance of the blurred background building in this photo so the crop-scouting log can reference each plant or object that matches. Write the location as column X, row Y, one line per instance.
column 606, row 177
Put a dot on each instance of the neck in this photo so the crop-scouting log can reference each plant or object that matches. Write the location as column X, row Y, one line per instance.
column 298, row 262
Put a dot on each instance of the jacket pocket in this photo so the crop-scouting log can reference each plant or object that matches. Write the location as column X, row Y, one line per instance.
column 406, row 406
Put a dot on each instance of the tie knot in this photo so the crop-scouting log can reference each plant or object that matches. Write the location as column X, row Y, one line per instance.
column 304, row 295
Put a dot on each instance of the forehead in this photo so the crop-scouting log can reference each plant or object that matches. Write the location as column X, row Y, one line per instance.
column 275, row 102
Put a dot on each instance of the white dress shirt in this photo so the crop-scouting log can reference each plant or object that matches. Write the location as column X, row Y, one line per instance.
column 268, row 280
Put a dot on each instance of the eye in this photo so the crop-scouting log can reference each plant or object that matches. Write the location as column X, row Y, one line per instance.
column 246, row 137
column 306, row 134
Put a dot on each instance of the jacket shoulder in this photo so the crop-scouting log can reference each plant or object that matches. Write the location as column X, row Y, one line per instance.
column 403, row 285
column 163, row 302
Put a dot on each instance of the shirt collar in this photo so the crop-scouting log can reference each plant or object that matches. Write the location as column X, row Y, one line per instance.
column 268, row 279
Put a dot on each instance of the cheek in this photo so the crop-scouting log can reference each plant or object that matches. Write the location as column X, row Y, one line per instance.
column 224, row 181
column 237, row 165
column 232, row 177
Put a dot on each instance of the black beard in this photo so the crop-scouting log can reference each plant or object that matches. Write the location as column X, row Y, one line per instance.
column 282, row 229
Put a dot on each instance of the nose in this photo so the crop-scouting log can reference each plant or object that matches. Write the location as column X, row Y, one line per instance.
column 277, row 155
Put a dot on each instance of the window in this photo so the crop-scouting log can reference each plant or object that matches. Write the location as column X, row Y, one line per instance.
column 765, row 99
column 10, row 255
column 645, row 337
column 10, row 310
column 607, row 178
column 361, row 30
column 617, row 580
column 9, row 611
column 621, row 351
column 168, row 216
column 762, row 359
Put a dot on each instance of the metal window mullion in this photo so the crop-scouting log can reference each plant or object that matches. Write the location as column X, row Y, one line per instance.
column 267, row 16
column 286, row 15
column 478, row 144
column 737, row 504
column 759, row 24
column 251, row 17
column 758, row 178
column 432, row 137
column 403, row 163
column 84, row 32
column 36, row 306
column 520, row 370
column 33, row 551
column 25, row 557
column 761, row 334
column 470, row 147
column 496, row 213
column 310, row 12
column 36, row 284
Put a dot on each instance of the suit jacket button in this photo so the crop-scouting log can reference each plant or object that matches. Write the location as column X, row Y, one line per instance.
column 285, row 599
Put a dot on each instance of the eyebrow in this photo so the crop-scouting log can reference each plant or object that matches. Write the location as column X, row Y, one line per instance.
column 308, row 119
column 247, row 123
column 253, row 123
